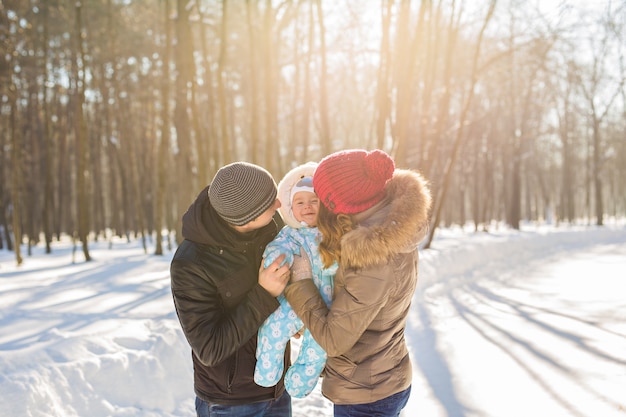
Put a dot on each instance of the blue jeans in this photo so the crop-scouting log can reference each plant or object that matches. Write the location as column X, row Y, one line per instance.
column 281, row 407
column 387, row 407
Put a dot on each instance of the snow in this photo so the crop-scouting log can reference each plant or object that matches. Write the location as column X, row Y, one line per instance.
column 506, row 323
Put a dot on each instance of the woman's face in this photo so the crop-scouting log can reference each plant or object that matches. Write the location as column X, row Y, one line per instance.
column 305, row 206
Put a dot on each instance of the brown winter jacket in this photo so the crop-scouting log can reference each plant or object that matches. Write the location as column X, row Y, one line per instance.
column 363, row 331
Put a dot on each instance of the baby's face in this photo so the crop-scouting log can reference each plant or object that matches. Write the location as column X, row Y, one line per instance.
column 305, row 206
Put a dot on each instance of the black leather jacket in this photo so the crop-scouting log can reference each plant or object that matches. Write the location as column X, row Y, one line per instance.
column 220, row 305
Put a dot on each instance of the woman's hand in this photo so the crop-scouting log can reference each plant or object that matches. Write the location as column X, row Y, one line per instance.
column 301, row 268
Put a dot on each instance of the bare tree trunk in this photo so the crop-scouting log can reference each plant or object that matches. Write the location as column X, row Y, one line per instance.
column 221, row 90
column 597, row 169
column 48, row 198
column 433, row 131
column 211, row 157
column 567, row 196
column 98, row 222
column 63, row 194
column 80, row 132
column 306, row 108
column 253, row 35
column 16, row 189
column 514, row 134
column 407, row 43
column 514, row 214
column 597, row 148
column 32, row 136
column 383, row 101
column 186, row 179
column 14, row 141
column 5, row 229
column 4, row 224
column 459, row 136
column 296, row 141
column 132, row 138
column 482, row 182
column 270, row 161
column 326, row 145
column 123, row 186
column 161, row 186
column 199, row 132
column 595, row 86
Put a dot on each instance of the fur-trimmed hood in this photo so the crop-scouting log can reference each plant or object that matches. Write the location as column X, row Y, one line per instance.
column 395, row 225
column 284, row 191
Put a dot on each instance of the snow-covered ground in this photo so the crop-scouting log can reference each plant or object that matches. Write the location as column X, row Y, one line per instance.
column 507, row 323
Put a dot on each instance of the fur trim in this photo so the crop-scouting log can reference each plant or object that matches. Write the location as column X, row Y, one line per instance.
column 284, row 191
column 395, row 225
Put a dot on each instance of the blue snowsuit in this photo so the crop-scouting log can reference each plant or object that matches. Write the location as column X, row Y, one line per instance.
column 283, row 323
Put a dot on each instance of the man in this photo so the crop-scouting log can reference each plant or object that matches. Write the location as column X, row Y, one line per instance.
column 222, row 294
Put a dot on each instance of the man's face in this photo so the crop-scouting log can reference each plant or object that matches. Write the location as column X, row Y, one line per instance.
column 263, row 220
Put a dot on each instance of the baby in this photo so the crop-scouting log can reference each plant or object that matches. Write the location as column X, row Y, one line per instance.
column 300, row 206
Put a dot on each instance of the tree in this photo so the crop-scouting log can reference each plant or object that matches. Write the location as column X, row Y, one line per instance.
column 441, row 196
column 185, row 162
column 161, row 168
column 80, row 132
column 14, row 140
column 598, row 82
column 113, row 114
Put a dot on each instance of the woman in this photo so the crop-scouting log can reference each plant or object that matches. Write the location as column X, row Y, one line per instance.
column 372, row 219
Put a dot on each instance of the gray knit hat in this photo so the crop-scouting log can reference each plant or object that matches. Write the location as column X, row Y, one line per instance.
column 241, row 192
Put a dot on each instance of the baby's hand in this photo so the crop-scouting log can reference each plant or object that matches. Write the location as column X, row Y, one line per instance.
column 299, row 333
column 301, row 267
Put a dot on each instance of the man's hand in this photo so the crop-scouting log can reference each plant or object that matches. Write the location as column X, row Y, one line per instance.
column 274, row 278
column 301, row 268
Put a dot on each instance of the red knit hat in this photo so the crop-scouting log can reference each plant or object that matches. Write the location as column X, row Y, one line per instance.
column 352, row 181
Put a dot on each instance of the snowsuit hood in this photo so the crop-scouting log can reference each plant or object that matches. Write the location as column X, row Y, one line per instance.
column 284, row 191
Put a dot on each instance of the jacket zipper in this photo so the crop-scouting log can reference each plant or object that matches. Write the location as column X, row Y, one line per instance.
column 232, row 373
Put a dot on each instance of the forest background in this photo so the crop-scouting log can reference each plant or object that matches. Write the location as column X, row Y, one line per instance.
column 114, row 114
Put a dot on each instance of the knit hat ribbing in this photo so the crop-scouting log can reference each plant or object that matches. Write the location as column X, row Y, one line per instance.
column 305, row 184
column 351, row 181
column 240, row 192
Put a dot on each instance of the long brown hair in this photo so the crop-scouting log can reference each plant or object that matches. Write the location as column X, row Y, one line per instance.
column 333, row 227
